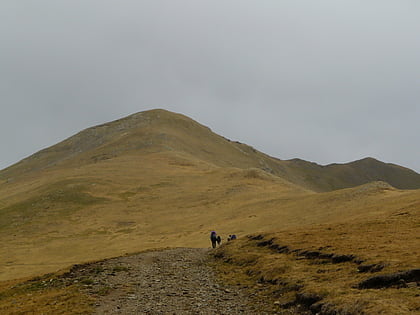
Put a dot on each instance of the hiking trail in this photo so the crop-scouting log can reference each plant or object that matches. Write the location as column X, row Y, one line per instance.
column 173, row 281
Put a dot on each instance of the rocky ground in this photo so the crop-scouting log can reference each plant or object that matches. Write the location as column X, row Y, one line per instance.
column 174, row 281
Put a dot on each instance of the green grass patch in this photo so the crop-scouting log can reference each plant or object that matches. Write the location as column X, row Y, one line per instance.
column 57, row 200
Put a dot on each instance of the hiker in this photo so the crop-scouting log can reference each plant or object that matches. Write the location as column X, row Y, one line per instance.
column 213, row 239
column 219, row 240
column 232, row 237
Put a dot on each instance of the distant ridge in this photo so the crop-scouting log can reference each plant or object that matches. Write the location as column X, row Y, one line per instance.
column 339, row 176
column 160, row 130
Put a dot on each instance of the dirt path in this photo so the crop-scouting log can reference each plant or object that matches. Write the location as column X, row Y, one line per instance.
column 175, row 281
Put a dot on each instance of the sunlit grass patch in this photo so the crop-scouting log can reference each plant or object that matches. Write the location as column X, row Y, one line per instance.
column 314, row 269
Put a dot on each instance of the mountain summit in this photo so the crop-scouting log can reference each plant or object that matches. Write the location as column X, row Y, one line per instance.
column 163, row 131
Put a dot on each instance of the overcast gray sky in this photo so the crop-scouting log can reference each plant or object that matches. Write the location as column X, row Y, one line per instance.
column 326, row 81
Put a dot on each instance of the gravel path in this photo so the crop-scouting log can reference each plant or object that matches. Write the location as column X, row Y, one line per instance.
column 174, row 281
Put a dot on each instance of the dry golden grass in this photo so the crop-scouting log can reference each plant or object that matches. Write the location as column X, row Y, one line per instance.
column 162, row 201
column 43, row 295
column 53, row 301
column 162, row 180
column 173, row 200
column 391, row 240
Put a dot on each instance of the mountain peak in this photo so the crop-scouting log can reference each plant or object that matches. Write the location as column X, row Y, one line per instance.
column 159, row 130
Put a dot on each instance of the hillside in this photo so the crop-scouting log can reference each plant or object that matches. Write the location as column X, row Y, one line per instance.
column 339, row 176
column 162, row 131
column 365, row 265
column 157, row 179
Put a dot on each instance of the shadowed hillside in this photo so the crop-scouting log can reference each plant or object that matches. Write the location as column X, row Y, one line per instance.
column 338, row 176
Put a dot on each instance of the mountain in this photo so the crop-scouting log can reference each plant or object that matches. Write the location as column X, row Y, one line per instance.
column 163, row 131
column 339, row 176
column 157, row 179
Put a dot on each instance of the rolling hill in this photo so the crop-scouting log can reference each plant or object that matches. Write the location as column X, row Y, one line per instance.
column 159, row 179
column 162, row 131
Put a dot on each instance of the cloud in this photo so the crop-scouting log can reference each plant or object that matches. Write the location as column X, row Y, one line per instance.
column 325, row 81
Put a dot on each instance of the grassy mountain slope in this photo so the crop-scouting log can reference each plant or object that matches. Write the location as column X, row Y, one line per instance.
column 161, row 178
column 124, row 204
column 368, row 264
column 163, row 131
column 339, row 176
column 158, row 179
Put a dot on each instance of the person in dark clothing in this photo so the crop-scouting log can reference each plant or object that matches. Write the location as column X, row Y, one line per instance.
column 213, row 239
column 232, row 237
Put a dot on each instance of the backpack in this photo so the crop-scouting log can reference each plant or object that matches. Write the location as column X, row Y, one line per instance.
column 213, row 235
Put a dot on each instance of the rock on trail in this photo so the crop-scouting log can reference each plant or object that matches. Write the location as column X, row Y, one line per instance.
column 174, row 281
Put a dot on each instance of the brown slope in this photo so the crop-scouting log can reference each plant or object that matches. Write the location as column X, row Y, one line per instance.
column 150, row 180
column 338, row 176
column 373, row 246
column 368, row 169
column 146, row 132
column 124, row 204
column 162, row 131
column 157, row 179
column 116, row 206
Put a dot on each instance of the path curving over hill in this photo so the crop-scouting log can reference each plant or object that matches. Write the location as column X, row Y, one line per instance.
column 173, row 281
